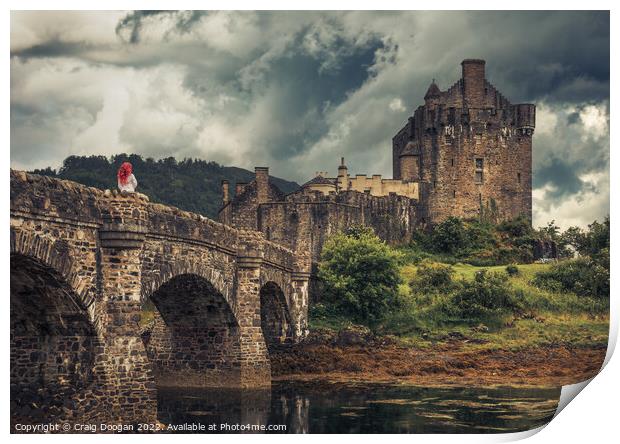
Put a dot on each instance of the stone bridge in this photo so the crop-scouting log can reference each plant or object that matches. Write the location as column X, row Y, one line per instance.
column 113, row 296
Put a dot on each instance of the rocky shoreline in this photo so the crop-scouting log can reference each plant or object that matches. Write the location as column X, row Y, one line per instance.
column 354, row 356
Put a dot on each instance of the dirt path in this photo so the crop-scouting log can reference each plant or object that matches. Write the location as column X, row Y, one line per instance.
column 448, row 364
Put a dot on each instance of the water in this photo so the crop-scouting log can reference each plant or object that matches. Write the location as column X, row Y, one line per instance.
column 361, row 408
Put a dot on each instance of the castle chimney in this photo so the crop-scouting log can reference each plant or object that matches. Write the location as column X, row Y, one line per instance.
column 239, row 187
column 343, row 176
column 473, row 83
column 262, row 184
column 225, row 195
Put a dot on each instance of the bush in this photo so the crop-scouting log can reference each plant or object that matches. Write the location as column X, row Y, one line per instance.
column 583, row 276
column 518, row 227
column 449, row 236
column 432, row 277
column 360, row 276
column 488, row 294
column 512, row 270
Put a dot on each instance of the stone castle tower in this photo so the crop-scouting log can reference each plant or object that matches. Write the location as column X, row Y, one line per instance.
column 466, row 152
column 470, row 150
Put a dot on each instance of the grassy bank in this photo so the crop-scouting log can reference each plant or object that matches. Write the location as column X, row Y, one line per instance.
column 546, row 319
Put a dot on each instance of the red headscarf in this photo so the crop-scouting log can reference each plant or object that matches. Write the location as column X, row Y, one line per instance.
column 124, row 172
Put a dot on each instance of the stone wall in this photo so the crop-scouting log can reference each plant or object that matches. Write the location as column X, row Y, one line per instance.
column 111, row 252
column 306, row 219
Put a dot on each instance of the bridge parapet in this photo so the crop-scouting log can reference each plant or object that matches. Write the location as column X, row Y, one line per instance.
column 175, row 223
column 54, row 199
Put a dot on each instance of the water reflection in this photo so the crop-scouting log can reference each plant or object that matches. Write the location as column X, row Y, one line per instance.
column 362, row 408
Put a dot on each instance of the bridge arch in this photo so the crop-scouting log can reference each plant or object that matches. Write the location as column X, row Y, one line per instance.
column 276, row 321
column 155, row 276
column 194, row 339
column 56, row 353
column 56, row 254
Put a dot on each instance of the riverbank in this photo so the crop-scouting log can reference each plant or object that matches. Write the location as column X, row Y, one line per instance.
column 347, row 358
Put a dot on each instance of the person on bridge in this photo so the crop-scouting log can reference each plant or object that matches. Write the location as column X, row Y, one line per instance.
column 126, row 180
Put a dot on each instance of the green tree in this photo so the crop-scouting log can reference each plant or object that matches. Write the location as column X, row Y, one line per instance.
column 449, row 236
column 360, row 275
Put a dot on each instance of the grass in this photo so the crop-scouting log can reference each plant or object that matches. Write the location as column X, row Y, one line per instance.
column 550, row 318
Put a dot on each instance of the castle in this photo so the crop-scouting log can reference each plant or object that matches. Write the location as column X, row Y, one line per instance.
column 466, row 152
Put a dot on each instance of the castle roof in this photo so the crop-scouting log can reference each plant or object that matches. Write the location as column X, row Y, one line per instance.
column 433, row 91
column 320, row 180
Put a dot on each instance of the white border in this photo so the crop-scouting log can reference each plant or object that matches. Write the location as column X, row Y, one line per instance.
column 593, row 418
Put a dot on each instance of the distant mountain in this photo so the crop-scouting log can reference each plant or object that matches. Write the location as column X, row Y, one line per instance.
column 190, row 184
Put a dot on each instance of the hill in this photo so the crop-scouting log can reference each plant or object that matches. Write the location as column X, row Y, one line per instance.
column 190, row 184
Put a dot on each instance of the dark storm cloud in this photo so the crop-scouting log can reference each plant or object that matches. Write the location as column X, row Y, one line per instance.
column 561, row 175
column 297, row 90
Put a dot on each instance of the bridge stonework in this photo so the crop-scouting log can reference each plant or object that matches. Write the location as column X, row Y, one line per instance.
column 84, row 265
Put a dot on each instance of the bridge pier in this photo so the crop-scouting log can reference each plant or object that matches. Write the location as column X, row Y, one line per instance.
column 255, row 364
column 131, row 383
column 300, row 282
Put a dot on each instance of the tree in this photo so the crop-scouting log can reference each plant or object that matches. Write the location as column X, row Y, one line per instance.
column 449, row 236
column 360, row 275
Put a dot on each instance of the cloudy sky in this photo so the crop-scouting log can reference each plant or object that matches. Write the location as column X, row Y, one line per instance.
column 295, row 91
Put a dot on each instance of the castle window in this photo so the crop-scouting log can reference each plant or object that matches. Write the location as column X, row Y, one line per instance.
column 452, row 161
column 478, row 176
column 519, row 177
column 454, row 194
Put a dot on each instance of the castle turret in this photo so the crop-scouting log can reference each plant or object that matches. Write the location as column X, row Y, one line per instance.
column 433, row 95
column 525, row 118
column 343, row 176
column 473, row 83
column 410, row 163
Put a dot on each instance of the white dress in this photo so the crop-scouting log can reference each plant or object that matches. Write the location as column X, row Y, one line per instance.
column 130, row 186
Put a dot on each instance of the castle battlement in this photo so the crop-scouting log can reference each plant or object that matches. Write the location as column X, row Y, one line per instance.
column 374, row 185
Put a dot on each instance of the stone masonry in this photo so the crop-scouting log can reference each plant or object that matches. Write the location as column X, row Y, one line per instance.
column 85, row 261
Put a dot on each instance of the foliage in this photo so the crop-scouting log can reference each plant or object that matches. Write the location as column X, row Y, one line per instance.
column 487, row 295
column 587, row 276
column 360, row 276
column 190, row 184
column 477, row 242
column 593, row 242
column 512, row 270
column 536, row 316
column 582, row 276
column 433, row 277
column 450, row 236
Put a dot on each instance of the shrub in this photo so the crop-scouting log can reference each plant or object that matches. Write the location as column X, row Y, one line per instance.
column 487, row 295
column 449, row 236
column 512, row 270
column 518, row 227
column 583, row 276
column 360, row 275
column 432, row 277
